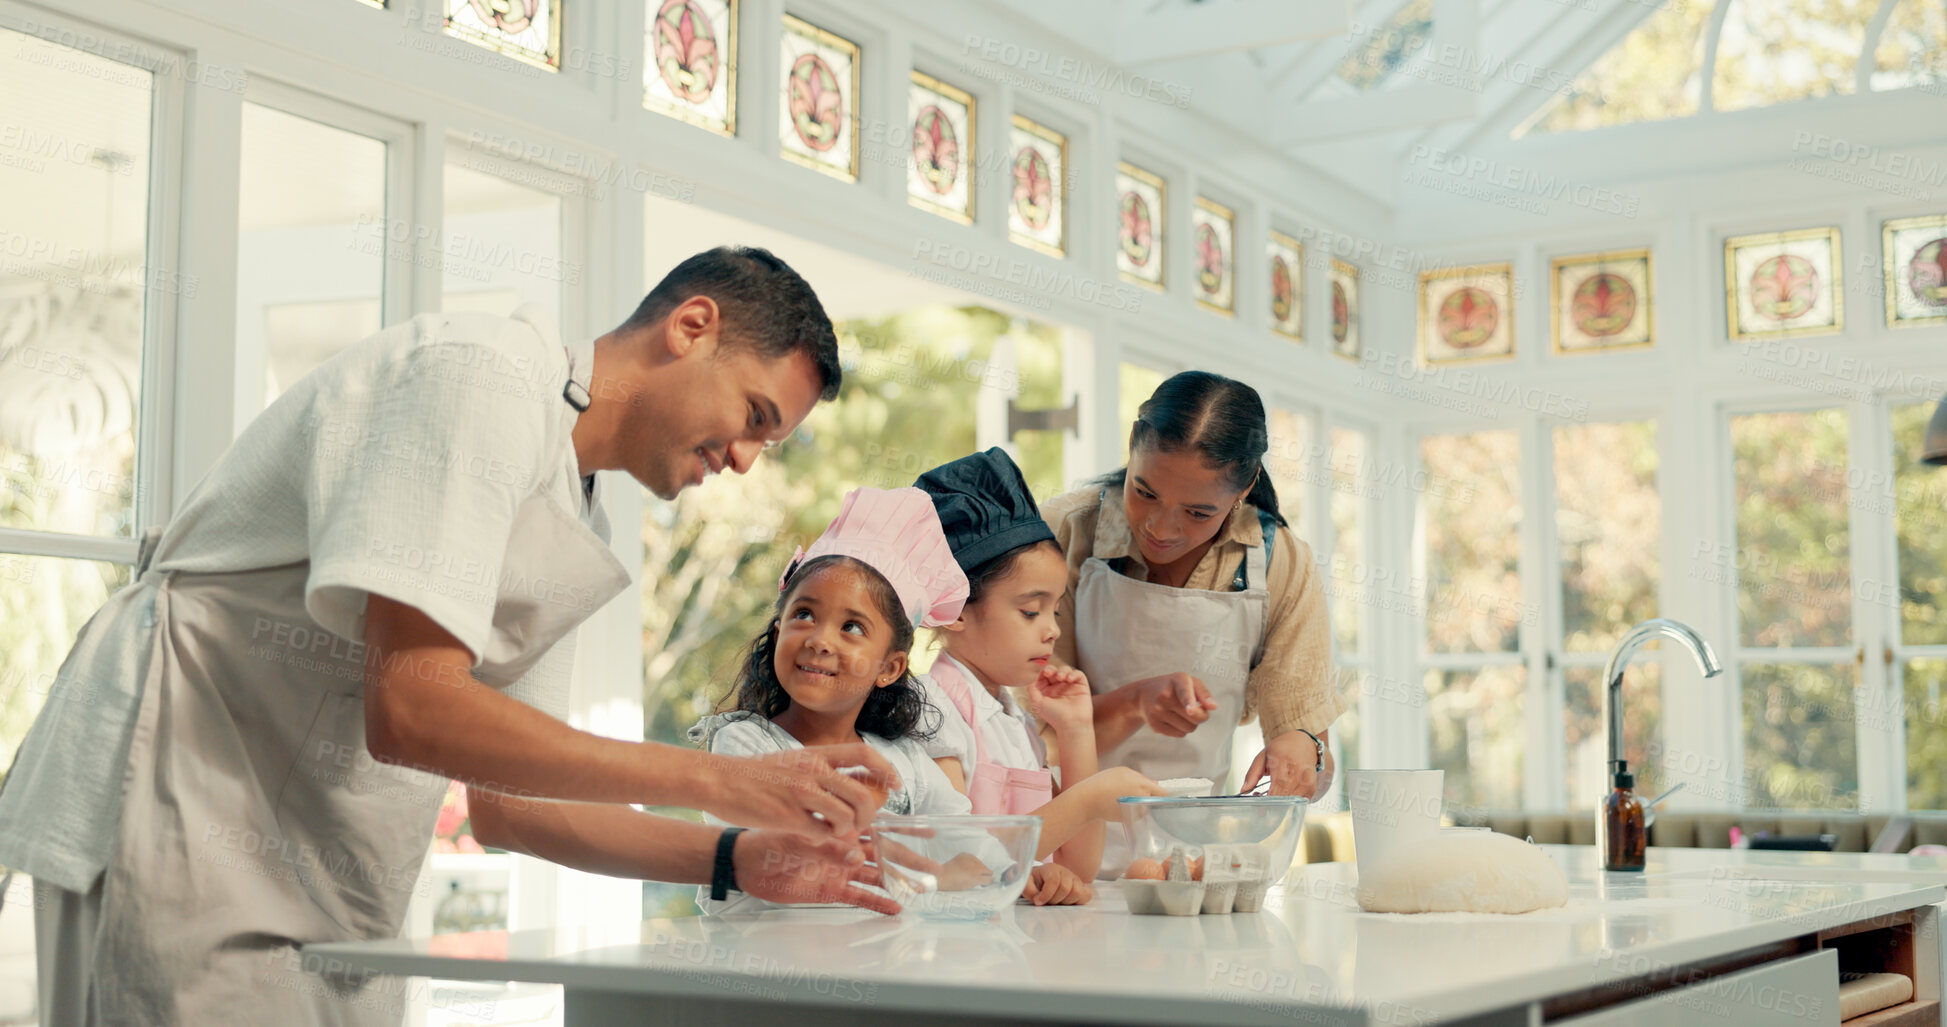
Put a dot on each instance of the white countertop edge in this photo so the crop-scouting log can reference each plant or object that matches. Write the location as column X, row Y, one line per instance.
column 1081, row 1002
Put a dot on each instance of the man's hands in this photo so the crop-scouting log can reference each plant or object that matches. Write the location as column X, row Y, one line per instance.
column 785, row 867
column 1291, row 761
column 1060, row 699
column 1052, row 884
column 801, row 790
column 1174, row 704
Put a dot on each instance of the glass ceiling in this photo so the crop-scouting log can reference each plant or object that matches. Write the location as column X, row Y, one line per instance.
column 1768, row 52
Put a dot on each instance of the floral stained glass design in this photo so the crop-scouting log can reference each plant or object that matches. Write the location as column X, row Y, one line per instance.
column 1916, row 270
column 690, row 70
column 1601, row 302
column 528, row 30
column 1345, row 310
column 1783, row 283
column 819, row 115
column 939, row 175
column 1285, row 259
column 1139, row 225
column 1035, row 215
column 1466, row 314
column 1214, row 229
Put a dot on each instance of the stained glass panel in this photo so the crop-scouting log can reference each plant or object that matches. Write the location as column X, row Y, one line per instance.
column 1214, row 230
column 1035, row 217
column 528, row 30
column 690, row 62
column 1139, row 225
column 1286, row 264
column 819, row 115
column 1784, row 283
column 1345, row 310
column 939, row 174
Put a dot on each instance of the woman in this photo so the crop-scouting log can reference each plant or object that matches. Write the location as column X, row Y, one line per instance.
column 1193, row 607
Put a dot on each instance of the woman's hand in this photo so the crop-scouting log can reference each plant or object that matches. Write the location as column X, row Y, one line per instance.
column 785, row 867
column 803, row 790
column 1174, row 704
column 1291, row 761
column 1052, row 884
column 1060, row 699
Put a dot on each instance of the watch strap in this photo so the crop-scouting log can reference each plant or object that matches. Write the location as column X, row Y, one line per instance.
column 723, row 878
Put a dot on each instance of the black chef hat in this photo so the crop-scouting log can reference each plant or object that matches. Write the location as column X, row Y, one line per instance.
column 985, row 507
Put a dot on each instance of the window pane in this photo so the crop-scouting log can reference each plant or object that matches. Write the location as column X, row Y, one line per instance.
column 1913, row 49
column 1473, row 542
column 1350, row 487
column 503, row 245
column 1773, row 51
column 1588, row 750
column 1793, row 558
column 1920, row 528
column 1608, row 521
column 529, row 31
column 1037, row 359
column 74, row 211
column 1376, row 58
column 1926, row 734
column 1476, row 722
column 311, row 242
column 1288, row 461
column 1800, row 749
column 1656, row 72
column 1137, row 384
column 44, row 601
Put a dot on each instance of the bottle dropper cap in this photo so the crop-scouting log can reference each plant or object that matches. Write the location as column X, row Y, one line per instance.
column 1624, row 779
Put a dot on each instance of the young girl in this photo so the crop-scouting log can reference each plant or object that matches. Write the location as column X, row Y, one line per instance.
column 989, row 746
column 831, row 667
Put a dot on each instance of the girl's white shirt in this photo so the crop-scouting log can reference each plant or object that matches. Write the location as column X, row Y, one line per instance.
column 1011, row 734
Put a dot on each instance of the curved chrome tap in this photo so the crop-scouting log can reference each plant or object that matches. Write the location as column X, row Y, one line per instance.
column 1612, row 673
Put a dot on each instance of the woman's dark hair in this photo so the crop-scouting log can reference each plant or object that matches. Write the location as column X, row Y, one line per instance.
column 895, row 711
column 983, row 577
column 1220, row 418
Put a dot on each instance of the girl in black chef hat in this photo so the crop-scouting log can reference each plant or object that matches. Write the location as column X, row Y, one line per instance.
column 993, row 746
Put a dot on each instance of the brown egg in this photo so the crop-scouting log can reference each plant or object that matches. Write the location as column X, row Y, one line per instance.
column 1144, row 870
column 1196, row 869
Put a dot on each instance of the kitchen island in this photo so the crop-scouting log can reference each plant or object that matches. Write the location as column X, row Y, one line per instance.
column 1706, row 936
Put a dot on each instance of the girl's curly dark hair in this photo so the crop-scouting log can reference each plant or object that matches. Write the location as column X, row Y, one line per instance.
column 898, row 710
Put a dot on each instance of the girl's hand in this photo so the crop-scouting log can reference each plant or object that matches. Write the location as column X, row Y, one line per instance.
column 1112, row 784
column 1060, row 698
column 785, row 867
column 1052, row 884
column 1291, row 762
column 804, row 790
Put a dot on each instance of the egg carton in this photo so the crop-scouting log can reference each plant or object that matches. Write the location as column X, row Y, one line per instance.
column 1235, row 879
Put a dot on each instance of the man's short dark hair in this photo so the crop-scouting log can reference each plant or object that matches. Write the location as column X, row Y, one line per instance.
column 764, row 305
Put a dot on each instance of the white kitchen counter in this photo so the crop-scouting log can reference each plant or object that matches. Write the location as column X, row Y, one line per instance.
column 1311, row 956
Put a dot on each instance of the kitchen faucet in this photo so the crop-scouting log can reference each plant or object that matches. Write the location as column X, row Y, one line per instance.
column 1612, row 673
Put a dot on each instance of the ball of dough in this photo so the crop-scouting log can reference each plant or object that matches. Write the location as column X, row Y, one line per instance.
column 1464, row 872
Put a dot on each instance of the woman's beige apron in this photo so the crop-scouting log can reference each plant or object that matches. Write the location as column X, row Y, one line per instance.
column 1127, row 629
column 255, row 821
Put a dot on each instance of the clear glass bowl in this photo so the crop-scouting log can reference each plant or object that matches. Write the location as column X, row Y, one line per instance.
column 1261, row 830
column 956, row 867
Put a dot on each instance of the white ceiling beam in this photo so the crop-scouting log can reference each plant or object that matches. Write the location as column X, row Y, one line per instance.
column 1389, row 110
column 1203, row 29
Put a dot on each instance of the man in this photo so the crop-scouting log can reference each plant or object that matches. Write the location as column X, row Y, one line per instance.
column 374, row 590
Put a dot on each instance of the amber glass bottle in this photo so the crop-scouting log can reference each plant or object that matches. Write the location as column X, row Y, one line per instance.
column 1624, row 837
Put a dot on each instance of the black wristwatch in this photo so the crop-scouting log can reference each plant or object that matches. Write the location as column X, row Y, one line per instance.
column 723, row 880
